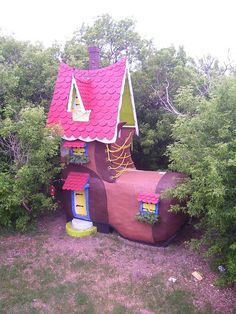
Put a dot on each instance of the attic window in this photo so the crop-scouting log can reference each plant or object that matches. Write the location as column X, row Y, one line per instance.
column 148, row 203
column 75, row 104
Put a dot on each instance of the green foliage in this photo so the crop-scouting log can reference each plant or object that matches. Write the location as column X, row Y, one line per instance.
column 27, row 74
column 203, row 137
column 154, row 122
column 151, row 70
column 78, row 159
column 29, row 162
column 148, row 218
column 204, row 148
column 116, row 39
column 76, row 54
column 22, row 223
column 180, row 301
column 28, row 159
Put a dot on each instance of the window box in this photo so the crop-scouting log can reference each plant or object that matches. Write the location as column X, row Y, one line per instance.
column 78, row 152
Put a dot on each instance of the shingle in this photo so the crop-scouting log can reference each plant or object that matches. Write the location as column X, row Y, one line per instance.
column 149, row 198
column 100, row 91
column 76, row 144
column 76, row 181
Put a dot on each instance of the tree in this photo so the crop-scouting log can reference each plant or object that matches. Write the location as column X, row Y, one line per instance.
column 27, row 74
column 170, row 67
column 28, row 163
column 204, row 149
column 210, row 70
column 116, row 39
column 28, row 151
column 152, row 71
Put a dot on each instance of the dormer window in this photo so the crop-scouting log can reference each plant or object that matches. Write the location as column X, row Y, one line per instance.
column 75, row 104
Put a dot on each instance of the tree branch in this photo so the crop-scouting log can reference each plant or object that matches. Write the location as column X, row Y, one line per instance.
column 166, row 102
column 12, row 146
column 26, row 207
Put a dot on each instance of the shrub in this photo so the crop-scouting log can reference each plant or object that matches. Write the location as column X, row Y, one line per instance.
column 149, row 218
column 204, row 148
column 28, row 163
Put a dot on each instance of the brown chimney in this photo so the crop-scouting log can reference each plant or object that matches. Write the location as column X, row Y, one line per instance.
column 94, row 58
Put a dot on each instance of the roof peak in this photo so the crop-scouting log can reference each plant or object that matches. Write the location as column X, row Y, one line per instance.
column 101, row 92
column 65, row 65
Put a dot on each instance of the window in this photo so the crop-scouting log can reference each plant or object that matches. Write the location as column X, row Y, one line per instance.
column 148, row 203
column 149, row 208
column 75, row 104
column 78, row 151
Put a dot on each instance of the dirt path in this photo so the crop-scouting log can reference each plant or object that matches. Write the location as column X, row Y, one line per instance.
column 116, row 275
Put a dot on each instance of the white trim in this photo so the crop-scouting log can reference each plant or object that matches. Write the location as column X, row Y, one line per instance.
column 120, row 104
column 70, row 96
column 89, row 139
column 105, row 140
column 129, row 126
column 132, row 99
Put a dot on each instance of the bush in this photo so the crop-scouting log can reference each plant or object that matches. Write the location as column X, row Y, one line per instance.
column 149, row 218
column 207, row 141
column 29, row 160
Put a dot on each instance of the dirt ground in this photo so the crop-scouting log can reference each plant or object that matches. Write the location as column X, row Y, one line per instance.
column 116, row 275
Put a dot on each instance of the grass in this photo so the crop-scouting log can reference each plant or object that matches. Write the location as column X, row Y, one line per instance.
column 179, row 301
column 43, row 280
column 78, row 264
column 42, row 291
column 121, row 309
column 157, row 298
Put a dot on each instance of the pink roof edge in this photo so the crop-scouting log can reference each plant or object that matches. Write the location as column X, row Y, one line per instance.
column 74, row 144
column 100, row 91
column 149, row 198
column 75, row 181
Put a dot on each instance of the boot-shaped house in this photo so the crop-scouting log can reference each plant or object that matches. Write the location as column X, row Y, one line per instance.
column 102, row 189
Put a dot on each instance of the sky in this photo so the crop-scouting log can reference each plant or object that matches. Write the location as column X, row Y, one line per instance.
column 202, row 26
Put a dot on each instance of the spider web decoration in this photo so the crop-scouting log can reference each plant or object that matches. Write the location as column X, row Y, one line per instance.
column 120, row 157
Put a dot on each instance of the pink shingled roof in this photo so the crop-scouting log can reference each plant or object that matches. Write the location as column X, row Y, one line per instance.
column 100, row 91
column 149, row 198
column 76, row 144
column 75, row 181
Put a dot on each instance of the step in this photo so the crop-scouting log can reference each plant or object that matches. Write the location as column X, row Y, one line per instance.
column 79, row 233
column 80, row 224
